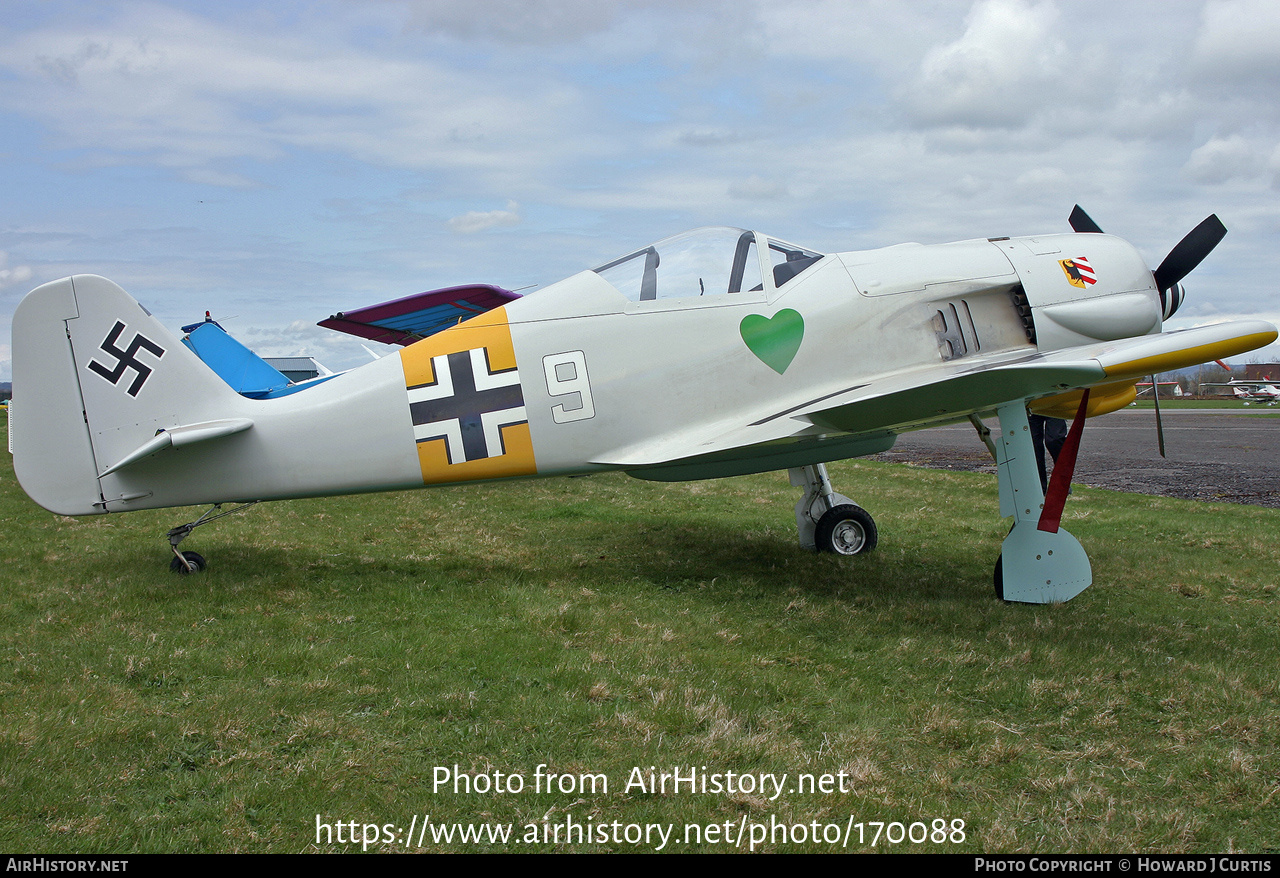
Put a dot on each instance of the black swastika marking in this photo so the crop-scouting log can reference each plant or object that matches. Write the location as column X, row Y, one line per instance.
column 126, row 359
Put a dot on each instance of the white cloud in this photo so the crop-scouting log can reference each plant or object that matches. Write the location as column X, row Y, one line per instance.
column 18, row 274
column 163, row 85
column 1239, row 37
column 1223, row 159
column 757, row 188
column 708, row 137
column 301, row 338
column 207, row 176
column 884, row 35
column 350, row 141
column 1041, row 180
column 533, row 22
column 1009, row 63
column 474, row 221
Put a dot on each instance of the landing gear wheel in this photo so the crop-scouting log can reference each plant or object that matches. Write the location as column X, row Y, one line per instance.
column 999, row 578
column 194, row 559
column 846, row 530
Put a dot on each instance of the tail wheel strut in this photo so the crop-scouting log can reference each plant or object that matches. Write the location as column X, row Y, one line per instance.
column 186, row 563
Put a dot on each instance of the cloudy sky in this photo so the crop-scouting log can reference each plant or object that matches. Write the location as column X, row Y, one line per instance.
column 274, row 162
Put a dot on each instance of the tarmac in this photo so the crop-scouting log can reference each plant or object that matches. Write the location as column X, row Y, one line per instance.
column 1227, row 455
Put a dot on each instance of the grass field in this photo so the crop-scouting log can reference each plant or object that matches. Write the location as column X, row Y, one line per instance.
column 1218, row 403
column 338, row 655
column 1253, row 410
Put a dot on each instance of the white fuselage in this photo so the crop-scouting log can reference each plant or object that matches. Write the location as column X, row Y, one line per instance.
column 579, row 377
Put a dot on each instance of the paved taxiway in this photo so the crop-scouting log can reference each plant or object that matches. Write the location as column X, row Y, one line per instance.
column 1229, row 455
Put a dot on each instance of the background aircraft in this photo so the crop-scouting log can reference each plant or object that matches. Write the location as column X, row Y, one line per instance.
column 713, row 353
column 1251, row 391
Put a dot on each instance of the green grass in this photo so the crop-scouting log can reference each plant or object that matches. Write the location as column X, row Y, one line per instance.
column 1225, row 402
column 336, row 653
column 1253, row 410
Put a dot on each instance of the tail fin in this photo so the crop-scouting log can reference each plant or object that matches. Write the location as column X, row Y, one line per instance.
column 95, row 379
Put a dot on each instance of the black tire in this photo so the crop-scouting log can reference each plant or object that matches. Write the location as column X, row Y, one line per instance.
column 846, row 530
column 194, row 559
column 999, row 578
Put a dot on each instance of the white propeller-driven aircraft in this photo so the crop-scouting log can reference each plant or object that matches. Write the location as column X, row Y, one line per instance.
column 717, row 352
column 1251, row 391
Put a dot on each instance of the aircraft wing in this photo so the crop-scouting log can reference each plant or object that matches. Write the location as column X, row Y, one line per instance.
column 246, row 372
column 948, row 391
column 881, row 407
column 416, row 317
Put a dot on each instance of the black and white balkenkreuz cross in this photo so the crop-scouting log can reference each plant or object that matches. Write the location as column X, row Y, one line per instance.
column 126, row 358
column 467, row 406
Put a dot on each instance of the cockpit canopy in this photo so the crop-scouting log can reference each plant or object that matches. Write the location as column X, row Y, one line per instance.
column 706, row 262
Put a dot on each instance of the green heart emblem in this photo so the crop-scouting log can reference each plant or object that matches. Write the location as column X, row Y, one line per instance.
column 775, row 340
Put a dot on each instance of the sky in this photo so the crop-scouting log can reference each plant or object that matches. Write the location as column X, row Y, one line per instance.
column 274, row 163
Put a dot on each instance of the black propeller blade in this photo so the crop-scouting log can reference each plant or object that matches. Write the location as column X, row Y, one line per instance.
column 1180, row 262
column 1082, row 222
column 1189, row 252
column 1155, row 394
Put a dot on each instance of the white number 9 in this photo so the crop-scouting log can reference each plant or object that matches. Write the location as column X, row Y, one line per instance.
column 567, row 377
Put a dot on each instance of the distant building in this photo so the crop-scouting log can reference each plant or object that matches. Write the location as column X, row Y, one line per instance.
column 1261, row 372
column 297, row 368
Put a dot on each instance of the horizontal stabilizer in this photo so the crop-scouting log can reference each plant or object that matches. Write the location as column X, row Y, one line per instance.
column 413, row 318
column 176, row 437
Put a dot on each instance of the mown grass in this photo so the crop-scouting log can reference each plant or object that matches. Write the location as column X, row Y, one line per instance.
column 336, row 652
column 1217, row 403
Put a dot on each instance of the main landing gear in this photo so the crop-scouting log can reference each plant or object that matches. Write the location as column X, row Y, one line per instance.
column 827, row 521
column 1039, row 563
column 185, row 563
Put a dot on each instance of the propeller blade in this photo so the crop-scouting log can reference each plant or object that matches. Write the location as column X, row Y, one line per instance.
column 1082, row 222
column 1189, row 252
column 1155, row 392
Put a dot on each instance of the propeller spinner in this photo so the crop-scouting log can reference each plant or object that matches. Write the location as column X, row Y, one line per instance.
column 1181, row 261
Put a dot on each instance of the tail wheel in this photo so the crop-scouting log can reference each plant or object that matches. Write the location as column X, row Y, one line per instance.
column 846, row 530
column 195, row 560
